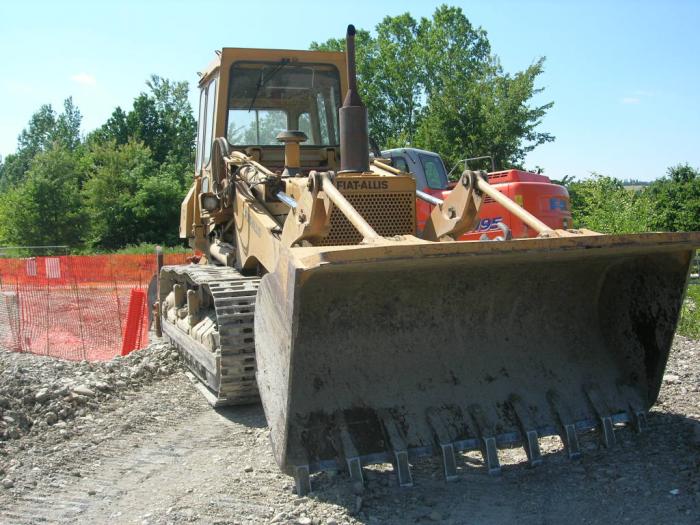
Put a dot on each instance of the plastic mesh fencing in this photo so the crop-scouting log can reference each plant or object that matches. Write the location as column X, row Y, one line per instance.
column 75, row 307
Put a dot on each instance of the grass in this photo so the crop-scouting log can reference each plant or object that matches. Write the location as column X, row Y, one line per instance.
column 143, row 248
column 689, row 324
column 139, row 249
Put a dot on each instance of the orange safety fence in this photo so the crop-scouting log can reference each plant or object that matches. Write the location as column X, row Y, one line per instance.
column 76, row 306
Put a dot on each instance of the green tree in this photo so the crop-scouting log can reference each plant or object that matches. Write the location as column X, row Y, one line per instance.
column 604, row 205
column 676, row 199
column 114, row 175
column 116, row 129
column 45, row 130
column 161, row 119
column 485, row 116
column 129, row 198
column 45, row 207
column 67, row 130
column 156, row 205
column 435, row 84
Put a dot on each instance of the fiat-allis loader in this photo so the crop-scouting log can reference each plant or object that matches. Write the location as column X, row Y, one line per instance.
column 370, row 341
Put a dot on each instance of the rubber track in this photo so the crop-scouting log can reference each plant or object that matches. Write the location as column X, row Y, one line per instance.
column 234, row 304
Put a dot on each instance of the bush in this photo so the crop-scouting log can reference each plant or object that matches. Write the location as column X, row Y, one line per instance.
column 689, row 324
column 604, row 205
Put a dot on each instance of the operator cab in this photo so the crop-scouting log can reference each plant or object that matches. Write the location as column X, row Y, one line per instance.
column 425, row 167
column 250, row 96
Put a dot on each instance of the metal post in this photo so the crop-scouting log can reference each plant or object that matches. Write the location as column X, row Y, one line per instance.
column 156, row 306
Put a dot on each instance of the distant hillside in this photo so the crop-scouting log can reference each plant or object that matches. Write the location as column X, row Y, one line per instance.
column 634, row 184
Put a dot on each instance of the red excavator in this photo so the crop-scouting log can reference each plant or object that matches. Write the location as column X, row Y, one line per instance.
column 536, row 193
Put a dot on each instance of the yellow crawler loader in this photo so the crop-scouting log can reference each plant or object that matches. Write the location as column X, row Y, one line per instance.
column 369, row 341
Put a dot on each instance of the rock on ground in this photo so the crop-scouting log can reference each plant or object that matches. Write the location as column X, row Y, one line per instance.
column 38, row 391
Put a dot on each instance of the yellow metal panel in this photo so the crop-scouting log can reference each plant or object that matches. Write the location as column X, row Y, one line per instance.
column 187, row 214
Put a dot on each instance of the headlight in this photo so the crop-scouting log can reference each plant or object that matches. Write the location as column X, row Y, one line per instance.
column 210, row 202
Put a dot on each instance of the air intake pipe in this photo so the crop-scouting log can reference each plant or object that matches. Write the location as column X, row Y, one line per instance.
column 354, row 136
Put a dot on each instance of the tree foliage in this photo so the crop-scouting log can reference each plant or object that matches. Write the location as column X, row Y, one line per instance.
column 115, row 175
column 129, row 198
column 676, row 199
column 122, row 185
column 45, row 209
column 161, row 119
column 434, row 83
column 46, row 130
column 671, row 203
column 604, row 205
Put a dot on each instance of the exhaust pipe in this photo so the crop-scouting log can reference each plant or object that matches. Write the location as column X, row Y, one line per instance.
column 354, row 135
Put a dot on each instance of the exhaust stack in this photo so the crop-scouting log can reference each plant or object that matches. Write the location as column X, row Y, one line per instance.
column 354, row 136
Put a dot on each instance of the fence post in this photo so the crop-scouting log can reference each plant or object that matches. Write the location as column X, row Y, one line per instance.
column 156, row 306
column 134, row 320
column 71, row 266
column 23, row 346
column 48, row 305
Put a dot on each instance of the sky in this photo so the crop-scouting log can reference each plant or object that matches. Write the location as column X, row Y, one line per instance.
column 624, row 76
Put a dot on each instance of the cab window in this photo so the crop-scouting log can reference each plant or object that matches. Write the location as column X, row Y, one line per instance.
column 400, row 163
column 435, row 175
column 200, row 129
column 267, row 97
column 258, row 126
column 305, row 124
column 209, row 123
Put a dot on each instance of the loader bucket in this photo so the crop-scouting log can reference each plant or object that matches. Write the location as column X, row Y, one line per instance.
column 380, row 353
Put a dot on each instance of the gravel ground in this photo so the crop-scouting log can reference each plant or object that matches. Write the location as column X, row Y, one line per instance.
column 130, row 441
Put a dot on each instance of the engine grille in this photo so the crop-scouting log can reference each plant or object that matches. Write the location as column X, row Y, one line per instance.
column 389, row 213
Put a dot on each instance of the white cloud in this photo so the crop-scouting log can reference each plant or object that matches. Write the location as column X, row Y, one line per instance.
column 630, row 100
column 84, row 79
column 637, row 96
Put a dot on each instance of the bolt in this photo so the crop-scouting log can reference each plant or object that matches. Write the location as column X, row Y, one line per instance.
column 302, row 216
column 451, row 212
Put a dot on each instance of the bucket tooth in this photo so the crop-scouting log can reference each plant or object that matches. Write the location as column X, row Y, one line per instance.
column 533, row 448
column 349, row 451
column 485, row 430
column 567, row 428
column 639, row 421
column 636, row 406
column 607, row 430
column 397, row 443
column 491, row 455
column 527, row 428
column 299, row 466
column 449, row 463
column 302, row 480
column 442, row 436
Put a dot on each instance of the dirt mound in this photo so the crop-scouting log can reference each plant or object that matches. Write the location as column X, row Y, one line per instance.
column 37, row 392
